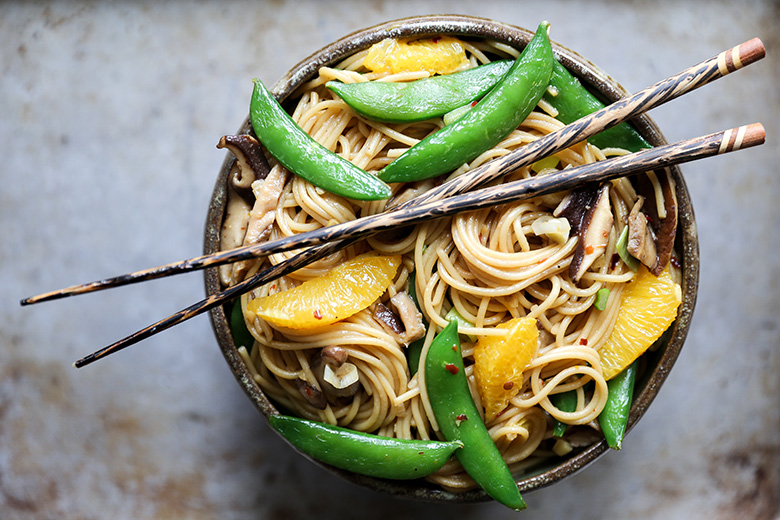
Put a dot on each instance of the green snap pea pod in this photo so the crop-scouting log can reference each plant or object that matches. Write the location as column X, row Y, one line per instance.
column 302, row 155
column 459, row 419
column 414, row 349
column 363, row 453
column 614, row 417
column 463, row 323
column 241, row 335
column 498, row 113
column 566, row 402
column 573, row 101
column 407, row 102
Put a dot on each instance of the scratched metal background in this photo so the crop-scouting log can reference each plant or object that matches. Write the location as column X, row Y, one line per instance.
column 109, row 117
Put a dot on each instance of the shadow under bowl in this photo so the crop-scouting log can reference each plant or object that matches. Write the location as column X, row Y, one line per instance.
column 657, row 363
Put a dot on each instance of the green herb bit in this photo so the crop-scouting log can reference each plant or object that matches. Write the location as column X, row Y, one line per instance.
column 545, row 164
column 602, row 295
column 622, row 250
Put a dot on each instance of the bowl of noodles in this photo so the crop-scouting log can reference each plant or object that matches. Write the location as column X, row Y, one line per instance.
column 484, row 269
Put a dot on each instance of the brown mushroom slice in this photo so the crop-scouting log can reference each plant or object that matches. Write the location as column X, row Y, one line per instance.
column 388, row 319
column 406, row 323
column 590, row 216
column 267, row 192
column 659, row 189
column 311, row 393
column 251, row 164
column 339, row 380
column 641, row 239
column 410, row 315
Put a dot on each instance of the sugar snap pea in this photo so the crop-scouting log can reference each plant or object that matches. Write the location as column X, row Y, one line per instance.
column 566, row 402
column 459, row 419
column 302, row 155
column 407, row 102
column 363, row 453
column 498, row 113
column 241, row 335
column 614, row 417
column 573, row 101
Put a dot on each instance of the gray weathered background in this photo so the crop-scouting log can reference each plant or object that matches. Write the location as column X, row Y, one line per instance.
column 109, row 117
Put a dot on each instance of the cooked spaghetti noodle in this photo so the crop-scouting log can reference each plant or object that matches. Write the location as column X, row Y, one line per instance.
column 489, row 265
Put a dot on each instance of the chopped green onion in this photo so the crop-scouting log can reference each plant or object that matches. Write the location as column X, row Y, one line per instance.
column 545, row 164
column 455, row 114
column 601, row 299
column 622, row 249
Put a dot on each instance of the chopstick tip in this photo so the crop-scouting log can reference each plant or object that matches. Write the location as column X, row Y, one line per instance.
column 755, row 134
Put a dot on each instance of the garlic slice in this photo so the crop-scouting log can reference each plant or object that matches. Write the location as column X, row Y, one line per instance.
column 556, row 229
column 342, row 377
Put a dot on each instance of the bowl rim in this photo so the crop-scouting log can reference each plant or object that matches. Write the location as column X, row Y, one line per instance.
column 591, row 76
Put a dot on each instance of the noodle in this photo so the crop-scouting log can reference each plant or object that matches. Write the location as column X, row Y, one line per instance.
column 489, row 265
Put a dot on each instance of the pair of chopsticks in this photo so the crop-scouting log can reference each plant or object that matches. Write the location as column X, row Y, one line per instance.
column 461, row 194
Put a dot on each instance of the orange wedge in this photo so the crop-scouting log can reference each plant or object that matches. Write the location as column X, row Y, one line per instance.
column 499, row 362
column 438, row 55
column 342, row 292
column 649, row 305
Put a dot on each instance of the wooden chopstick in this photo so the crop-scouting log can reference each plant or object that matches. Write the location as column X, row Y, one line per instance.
column 662, row 156
column 705, row 72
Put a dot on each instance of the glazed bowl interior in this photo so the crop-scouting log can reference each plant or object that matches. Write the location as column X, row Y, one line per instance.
column 658, row 362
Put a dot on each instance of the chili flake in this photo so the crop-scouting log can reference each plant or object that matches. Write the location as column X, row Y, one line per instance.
column 451, row 368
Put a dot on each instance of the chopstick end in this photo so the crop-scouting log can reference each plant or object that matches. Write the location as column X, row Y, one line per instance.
column 755, row 134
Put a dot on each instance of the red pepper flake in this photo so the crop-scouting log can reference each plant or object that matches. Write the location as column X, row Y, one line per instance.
column 588, row 249
column 317, row 314
column 509, row 385
column 460, row 418
column 273, row 286
column 454, row 348
column 675, row 262
column 451, row 368
column 584, row 341
column 436, row 39
column 473, row 103
column 502, row 412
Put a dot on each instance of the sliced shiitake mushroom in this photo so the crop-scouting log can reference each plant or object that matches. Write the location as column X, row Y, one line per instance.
column 589, row 214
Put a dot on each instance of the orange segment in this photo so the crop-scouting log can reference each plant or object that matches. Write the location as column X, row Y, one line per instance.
column 438, row 55
column 499, row 362
column 342, row 292
column 649, row 305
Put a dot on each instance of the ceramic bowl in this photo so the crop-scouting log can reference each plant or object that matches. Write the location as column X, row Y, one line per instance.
column 659, row 362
